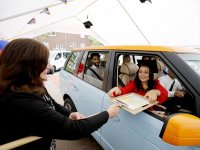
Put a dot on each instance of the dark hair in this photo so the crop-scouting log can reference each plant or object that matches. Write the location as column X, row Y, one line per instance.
column 126, row 56
column 21, row 63
column 146, row 56
column 151, row 83
column 94, row 54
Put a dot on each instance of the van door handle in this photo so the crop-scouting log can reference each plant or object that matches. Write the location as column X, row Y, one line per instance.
column 115, row 119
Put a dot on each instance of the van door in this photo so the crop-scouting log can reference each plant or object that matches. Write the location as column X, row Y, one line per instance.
column 128, row 131
column 67, row 81
column 57, row 60
column 90, row 90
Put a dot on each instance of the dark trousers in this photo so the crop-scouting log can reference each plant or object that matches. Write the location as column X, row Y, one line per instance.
column 175, row 104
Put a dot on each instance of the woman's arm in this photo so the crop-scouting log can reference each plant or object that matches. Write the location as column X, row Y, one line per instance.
column 128, row 88
column 116, row 91
column 58, row 107
column 44, row 121
column 163, row 93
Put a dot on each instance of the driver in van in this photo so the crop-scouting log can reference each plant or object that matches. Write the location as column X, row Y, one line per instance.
column 172, row 85
column 177, row 98
column 96, row 71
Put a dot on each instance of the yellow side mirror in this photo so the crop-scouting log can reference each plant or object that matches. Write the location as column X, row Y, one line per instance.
column 181, row 130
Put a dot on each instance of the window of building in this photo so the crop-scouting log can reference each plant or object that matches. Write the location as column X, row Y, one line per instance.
column 71, row 65
column 61, row 46
column 46, row 44
column 82, row 36
column 74, row 45
column 57, row 46
column 51, row 33
column 82, row 44
column 71, row 45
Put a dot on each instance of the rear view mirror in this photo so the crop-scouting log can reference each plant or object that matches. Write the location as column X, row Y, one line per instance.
column 181, row 130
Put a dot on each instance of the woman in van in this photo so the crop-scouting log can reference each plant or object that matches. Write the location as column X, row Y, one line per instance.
column 144, row 84
column 26, row 108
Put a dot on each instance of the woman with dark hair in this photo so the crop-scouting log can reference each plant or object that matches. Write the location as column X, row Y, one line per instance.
column 27, row 109
column 144, row 84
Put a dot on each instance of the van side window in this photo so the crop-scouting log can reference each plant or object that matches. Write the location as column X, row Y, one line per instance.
column 65, row 55
column 81, row 67
column 71, row 64
column 95, row 66
column 179, row 100
column 58, row 56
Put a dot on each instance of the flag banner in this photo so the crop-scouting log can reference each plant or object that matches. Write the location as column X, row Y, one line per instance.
column 32, row 21
column 46, row 11
column 64, row 1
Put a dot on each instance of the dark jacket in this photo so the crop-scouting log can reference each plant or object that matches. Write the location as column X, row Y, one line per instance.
column 25, row 114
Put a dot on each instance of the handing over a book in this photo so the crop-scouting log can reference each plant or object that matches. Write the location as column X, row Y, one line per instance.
column 145, row 88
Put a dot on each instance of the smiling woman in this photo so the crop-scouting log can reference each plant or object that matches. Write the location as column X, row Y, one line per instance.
column 26, row 108
column 43, row 75
column 143, row 83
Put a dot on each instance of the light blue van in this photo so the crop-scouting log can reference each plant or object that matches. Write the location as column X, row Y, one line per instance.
column 145, row 130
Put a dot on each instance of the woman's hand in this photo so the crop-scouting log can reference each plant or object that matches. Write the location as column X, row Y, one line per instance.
column 116, row 90
column 113, row 110
column 152, row 95
column 76, row 116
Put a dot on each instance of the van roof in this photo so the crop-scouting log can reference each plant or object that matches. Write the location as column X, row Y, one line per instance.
column 143, row 48
column 59, row 51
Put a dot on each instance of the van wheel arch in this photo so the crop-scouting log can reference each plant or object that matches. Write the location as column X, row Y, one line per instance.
column 69, row 104
column 54, row 67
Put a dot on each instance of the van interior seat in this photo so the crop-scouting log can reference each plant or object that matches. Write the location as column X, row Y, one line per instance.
column 161, row 67
column 128, row 71
column 88, row 64
column 104, row 60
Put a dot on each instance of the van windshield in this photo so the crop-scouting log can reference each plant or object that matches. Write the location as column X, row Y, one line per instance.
column 193, row 60
column 52, row 54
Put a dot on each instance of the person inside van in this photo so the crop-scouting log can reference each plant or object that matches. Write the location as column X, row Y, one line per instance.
column 126, row 59
column 146, row 58
column 144, row 84
column 176, row 96
column 96, row 71
column 172, row 85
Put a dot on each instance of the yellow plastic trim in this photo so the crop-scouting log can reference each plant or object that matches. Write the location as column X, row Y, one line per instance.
column 142, row 48
column 182, row 130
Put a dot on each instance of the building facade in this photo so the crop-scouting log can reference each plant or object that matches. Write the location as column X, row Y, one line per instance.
column 64, row 41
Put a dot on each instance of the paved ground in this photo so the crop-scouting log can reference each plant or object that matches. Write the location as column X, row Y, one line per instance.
column 87, row 143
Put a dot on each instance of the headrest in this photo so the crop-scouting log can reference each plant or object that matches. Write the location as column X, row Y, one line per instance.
column 118, row 62
column 105, row 57
column 129, row 68
column 160, row 66
column 89, row 62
